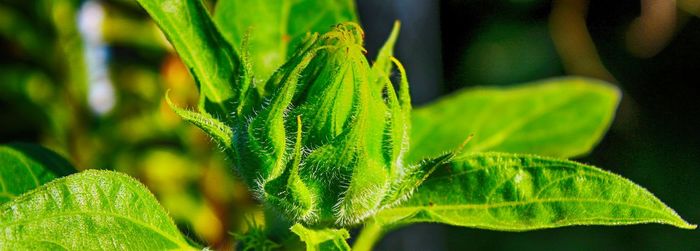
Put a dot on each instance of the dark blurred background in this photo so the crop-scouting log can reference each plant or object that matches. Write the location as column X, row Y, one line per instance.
column 650, row 49
column 111, row 114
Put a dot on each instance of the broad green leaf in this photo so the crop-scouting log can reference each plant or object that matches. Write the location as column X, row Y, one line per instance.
column 275, row 27
column 513, row 192
column 561, row 117
column 211, row 60
column 326, row 239
column 24, row 167
column 91, row 210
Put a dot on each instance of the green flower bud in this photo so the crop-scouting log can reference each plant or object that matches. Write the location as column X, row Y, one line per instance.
column 326, row 145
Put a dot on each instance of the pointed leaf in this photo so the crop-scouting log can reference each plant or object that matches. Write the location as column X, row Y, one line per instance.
column 326, row 239
column 513, row 192
column 91, row 210
column 382, row 65
column 217, row 130
column 211, row 60
column 561, row 117
column 402, row 188
column 276, row 27
column 24, row 167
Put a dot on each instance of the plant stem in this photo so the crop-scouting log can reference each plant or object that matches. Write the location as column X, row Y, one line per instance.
column 370, row 234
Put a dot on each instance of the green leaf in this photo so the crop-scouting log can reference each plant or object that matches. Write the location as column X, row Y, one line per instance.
column 403, row 186
column 276, row 27
column 217, row 130
column 91, row 210
column 562, row 117
column 211, row 60
column 514, row 192
column 24, row 167
column 382, row 65
column 326, row 239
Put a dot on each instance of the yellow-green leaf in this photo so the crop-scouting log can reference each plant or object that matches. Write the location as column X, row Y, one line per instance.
column 562, row 117
column 217, row 130
column 326, row 239
column 514, row 192
column 91, row 210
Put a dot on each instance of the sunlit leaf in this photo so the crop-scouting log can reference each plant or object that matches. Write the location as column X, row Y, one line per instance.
column 91, row 210
column 216, row 129
column 513, row 192
column 326, row 239
column 211, row 60
column 383, row 65
column 561, row 117
column 24, row 167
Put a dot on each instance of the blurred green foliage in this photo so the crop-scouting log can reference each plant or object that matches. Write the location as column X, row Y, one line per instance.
column 45, row 98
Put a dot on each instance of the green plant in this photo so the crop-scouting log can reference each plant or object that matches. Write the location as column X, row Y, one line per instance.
column 327, row 142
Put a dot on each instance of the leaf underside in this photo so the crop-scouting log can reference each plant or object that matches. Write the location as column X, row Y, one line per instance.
column 515, row 192
column 326, row 239
column 561, row 117
column 91, row 210
column 24, row 167
column 211, row 60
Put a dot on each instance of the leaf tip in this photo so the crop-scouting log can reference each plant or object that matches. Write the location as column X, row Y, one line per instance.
column 397, row 25
column 685, row 225
column 169, row 101
column 605, row 87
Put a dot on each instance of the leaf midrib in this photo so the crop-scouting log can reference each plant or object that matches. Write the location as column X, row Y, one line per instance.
column 522, row 203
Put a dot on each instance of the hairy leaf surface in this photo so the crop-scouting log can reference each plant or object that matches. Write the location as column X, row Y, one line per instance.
column 216, row 129
column 91, row 210
column 326, row 239
column 382, row 66
column 275, row 27
column 513, row 192
column 24, row 167
column 561, row 117
column 211, row 60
